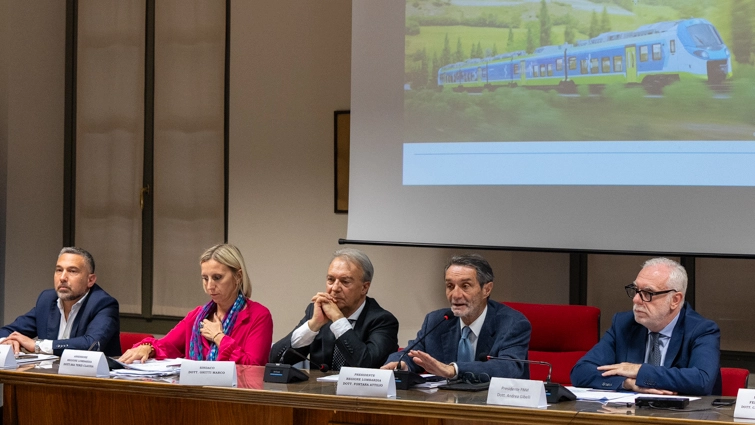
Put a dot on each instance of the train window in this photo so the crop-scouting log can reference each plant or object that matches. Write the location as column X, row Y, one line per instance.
column 583, row 66
column 643, row 53
column 606, row 64
column 656, row 52
column 559, row 64
column 672, row 46
column 516, row 68
column 534, row 71
column 594, row 66
column 572, row 63
column 550, row 69
column 542, row 70
column 617, row 65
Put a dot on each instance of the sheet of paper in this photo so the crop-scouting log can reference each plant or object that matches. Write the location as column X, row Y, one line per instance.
column 329, row 378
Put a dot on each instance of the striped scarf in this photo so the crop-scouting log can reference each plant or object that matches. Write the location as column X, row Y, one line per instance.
column 195, row 344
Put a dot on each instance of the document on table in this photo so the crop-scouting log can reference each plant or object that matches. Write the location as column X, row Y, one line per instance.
column 34, row 358
column 589, row 394
column 151, row 368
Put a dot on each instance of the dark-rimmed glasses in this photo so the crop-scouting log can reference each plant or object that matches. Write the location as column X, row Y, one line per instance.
column 645, row 295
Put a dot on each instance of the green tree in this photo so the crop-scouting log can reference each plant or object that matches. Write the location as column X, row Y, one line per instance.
column 445, row 56
column 545, row 24
column 434, row 71
column 569, row 34
column 494, row 52
column 594, row 26
column 741, row 30
column 459, row 54
column 510, row 41
column 530, row 41
column 605, row 22
column 480, row 53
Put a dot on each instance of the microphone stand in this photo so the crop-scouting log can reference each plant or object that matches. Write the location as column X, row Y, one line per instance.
column 407, row 378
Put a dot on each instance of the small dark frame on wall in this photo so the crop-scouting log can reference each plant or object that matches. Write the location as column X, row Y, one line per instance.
column 342, row 122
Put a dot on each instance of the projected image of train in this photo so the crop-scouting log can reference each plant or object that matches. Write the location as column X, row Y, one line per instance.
column 654, row 55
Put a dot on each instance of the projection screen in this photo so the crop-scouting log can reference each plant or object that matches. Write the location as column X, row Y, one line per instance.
column 571, row 125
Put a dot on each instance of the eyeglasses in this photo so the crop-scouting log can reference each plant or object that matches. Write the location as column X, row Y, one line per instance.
column 646, row 296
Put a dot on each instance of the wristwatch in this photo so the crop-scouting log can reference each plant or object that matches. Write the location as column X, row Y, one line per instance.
column 37, row 349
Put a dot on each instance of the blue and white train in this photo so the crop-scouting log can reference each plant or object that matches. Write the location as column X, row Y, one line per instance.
column 654, row 55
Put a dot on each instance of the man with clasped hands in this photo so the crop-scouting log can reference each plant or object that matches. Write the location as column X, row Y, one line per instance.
column 479, row 328
column 342, row 326
column 661, row 347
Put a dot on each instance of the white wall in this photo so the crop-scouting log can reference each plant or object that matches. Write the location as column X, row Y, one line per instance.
column 35, row 95
column 290, row 70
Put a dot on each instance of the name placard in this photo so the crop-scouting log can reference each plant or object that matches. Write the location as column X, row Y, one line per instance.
column 83, row 363
column 517, row 392
column 7, row 358
column 215, row 374
column 745, row 405
column 366, row 382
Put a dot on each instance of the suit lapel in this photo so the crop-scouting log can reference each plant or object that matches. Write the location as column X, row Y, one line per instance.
column 636, row 352
column 53, row 322
column 450, row 338
column 487, row 334
column 677, row 337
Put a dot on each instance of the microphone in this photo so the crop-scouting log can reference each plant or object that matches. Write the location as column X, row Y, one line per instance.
column 407, row 378
column 553, row 392
column 95, row 345
column 323, row 367
column 285, row 373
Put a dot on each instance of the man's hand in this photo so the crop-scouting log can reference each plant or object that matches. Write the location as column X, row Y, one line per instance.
column 14, row 345
column 431, row 365
column 627, row 370
column 21, row 341
column 392, row 366
column 631, row 385
column 319, row 319
column 328, row 305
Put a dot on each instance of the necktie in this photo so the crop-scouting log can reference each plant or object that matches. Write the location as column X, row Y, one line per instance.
column 464, row 354
column 338, row 359
column 655, row 349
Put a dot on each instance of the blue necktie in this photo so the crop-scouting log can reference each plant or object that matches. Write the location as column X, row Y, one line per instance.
column 655, row 349
column 464, row 354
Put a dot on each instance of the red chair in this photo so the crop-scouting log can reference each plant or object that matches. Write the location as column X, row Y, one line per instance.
column 732, row 379
column 561, row 335
column 128, row 339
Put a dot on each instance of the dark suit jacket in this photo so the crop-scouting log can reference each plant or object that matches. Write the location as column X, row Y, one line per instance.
column 375, row 335
column 691, row 366
column 97, row 321
column 505, row 333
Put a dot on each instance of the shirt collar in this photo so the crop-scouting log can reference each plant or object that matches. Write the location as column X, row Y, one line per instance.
column 74, row 307
column 669, row 329
column 476, row 326
column 355, row 315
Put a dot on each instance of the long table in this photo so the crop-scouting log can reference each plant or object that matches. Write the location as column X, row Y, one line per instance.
column 41, row 396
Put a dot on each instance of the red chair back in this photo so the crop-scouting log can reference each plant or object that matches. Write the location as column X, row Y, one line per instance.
column 128, row 339
column 732, row 379
column 561, row 335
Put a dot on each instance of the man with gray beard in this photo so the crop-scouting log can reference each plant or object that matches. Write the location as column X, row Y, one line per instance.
column 661, row 347
column 77, row 314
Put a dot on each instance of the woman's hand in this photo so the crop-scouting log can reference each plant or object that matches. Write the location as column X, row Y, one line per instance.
column 212, row 330
column 141, row 353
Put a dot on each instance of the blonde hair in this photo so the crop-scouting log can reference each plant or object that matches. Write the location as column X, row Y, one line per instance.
column 230, row 256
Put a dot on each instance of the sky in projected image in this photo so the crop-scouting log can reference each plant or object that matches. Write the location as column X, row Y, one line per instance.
column 612, row 92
